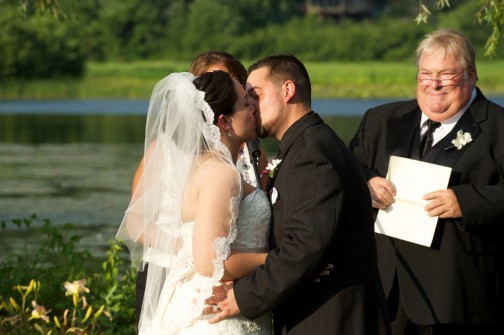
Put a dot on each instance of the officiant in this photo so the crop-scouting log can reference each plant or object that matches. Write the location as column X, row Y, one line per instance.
column 454, row 286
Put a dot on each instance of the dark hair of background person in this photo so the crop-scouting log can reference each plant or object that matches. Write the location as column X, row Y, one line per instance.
column 204, row 61
column 219, row 91
column 287, row 67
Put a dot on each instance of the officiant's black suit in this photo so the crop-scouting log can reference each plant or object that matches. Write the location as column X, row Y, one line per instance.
column 459, row 279
column 322, row 215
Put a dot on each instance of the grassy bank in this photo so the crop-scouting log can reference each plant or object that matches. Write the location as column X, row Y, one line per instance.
column 135, row 80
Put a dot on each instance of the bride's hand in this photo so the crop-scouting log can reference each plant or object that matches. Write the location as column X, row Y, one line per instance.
column 219, row 293
column 225, row 308
column 324, row 272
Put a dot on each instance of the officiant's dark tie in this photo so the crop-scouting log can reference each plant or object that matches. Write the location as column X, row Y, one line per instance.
column 426, row 140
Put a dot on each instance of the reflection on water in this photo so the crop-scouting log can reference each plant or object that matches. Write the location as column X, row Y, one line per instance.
column 78, row 168
column 55, row 128
column 81, row 183
column 86, row 184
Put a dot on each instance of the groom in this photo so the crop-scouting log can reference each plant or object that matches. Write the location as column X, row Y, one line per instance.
column 322, row 214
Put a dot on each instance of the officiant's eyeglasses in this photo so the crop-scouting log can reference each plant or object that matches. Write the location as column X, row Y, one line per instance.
column 443, row 79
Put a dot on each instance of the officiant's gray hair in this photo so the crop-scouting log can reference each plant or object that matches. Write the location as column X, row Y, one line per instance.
column 450, row 42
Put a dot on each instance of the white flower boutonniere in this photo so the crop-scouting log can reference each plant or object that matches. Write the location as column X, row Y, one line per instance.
column 272, row 168
column 462, row 139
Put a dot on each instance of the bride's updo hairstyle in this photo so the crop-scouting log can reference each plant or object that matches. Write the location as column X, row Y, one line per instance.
column 219, row 91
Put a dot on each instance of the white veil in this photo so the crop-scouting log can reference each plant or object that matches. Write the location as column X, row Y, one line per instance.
column 179, row 127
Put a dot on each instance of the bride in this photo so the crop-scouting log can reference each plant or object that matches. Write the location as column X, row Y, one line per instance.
column 192, row 218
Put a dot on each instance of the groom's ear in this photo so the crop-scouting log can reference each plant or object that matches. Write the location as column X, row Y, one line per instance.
column 289, row 90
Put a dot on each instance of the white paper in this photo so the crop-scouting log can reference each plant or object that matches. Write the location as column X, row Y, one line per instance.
column 406, row 218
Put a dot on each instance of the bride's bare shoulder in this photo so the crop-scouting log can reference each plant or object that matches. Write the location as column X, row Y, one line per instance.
column 215, row 170
column 214, row 181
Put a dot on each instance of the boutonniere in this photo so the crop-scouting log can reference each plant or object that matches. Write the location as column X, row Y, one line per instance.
column 461, row 140
column 272, row 168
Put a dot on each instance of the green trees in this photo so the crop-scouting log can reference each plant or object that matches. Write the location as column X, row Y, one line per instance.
column 54, row 38
column 38, row 48
column 490, row 12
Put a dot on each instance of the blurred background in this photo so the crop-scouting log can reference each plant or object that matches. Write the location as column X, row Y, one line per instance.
column 75, row 79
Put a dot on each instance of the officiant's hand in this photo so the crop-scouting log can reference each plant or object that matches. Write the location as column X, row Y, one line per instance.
column 442, row 203
column 382, row 192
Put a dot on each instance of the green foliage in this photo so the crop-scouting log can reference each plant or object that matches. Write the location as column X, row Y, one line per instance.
column 116, row 284
column 205, row 32
column 180, row 29
column 130, row 29
column 199, row 25
column 58, row 265
column 135, row 80
column 41, row 7
column 79, row 318
column 33, row 45
column 37, row 47
column 476, row 32
column 490, row 12
column 175, row 32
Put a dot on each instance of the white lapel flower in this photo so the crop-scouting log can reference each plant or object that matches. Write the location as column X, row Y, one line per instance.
column 462, row 139
column 272, row 168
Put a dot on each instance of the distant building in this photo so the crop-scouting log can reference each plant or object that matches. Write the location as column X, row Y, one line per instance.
column 339, row 8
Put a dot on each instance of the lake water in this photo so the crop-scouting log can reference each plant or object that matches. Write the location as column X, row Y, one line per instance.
column 340, row 107
column 73, row 161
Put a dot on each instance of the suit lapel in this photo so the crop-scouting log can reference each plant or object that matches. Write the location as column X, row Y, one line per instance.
column 444, row 152
column 295, row 130
column 290, row 136
column 399, row 140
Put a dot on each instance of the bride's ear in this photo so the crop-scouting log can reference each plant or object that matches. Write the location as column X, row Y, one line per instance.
column 223, row 123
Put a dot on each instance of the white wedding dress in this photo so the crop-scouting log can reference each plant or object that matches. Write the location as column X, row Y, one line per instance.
column 184, row 291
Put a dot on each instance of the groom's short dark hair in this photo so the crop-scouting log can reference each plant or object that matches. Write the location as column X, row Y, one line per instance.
column 287, row 67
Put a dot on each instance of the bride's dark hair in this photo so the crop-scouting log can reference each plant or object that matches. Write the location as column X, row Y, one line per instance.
column 219, row 91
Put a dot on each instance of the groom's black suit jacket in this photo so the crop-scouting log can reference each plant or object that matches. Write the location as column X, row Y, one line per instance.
column 322, row 215
column 459, row 279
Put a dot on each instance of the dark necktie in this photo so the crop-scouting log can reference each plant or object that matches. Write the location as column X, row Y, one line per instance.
column 426, row 140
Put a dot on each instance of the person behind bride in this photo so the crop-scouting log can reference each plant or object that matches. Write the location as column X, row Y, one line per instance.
column 221, row 60
column 192, row 218
column 202, row 63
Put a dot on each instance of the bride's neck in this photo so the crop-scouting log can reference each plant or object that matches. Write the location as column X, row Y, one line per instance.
column 234, row 148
